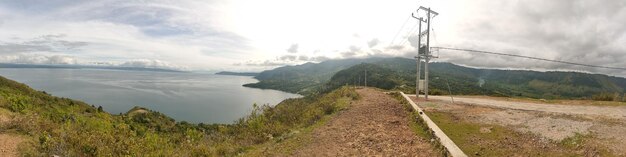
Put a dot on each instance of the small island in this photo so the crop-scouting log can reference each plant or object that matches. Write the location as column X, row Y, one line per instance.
column 237, row 73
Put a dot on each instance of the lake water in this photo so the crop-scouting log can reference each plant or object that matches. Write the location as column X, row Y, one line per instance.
column 192, row 97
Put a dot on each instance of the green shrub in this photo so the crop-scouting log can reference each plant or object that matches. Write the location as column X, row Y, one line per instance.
column 603, row 97
column 19, row 103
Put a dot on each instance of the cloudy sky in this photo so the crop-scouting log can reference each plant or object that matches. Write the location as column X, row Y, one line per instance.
column 252, row 35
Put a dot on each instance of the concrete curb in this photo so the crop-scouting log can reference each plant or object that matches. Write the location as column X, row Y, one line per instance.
column 452, row 148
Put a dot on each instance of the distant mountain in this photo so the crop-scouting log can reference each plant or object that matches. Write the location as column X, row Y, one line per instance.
column 377, row 76
column 237, row 73
column 72, row 66
column 306, row 78
column 12, row 65
column 400, row 72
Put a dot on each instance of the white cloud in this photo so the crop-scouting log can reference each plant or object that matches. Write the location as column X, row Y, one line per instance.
column 373, row 43
column 218, row 34
column 293, row 48
column 38, row 59
column 117, row 31
column 148, row 63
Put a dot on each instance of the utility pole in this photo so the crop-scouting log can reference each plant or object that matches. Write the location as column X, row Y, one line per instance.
column 418, row 75
column 426, row 54
column 427, row 57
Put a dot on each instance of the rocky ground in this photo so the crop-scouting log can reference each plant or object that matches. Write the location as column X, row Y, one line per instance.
column 586, row 134
column 568, row 107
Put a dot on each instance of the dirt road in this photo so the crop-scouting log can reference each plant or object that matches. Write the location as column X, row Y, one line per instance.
column 578, row 129
column 618, row 112
column 375, row 125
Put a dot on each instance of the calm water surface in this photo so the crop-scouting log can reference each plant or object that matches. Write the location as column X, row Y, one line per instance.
column 192, row 97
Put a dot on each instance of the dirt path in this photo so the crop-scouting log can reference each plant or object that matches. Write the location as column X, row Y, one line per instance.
column 375, row 125
column 608, row 111
column 8, row 144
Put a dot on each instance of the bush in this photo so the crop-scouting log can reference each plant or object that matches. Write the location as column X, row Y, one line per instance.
column 603, row 97
column 19, row 103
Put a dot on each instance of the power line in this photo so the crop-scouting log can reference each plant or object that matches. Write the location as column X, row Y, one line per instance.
column 412, row 31
column 410, row 34
column 401, row 44
column 400, row 30
column 528, row 57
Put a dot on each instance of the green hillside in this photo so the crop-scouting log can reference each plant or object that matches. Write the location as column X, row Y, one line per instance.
column 65, row 127
column 306, row 78
column 312, row 78
column 377, row 76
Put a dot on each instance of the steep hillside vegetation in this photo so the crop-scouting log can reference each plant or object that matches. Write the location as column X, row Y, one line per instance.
column 377, row 76
column 313, row 78
column 65, row 127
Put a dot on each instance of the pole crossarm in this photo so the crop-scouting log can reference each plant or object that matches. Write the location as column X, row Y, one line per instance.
column 418, row 18
column 428, row 9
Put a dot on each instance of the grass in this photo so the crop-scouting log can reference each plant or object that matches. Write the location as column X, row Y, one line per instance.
column 5, row 113
column 290, row 142
column 417, row 124
column 597, row 103
column 574, row 141
column 463, row 134
column 430, row 104
column 287, row 144
column 420, row 129
column 581, row 142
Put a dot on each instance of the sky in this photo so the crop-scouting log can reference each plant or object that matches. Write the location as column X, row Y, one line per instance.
column 252, row 35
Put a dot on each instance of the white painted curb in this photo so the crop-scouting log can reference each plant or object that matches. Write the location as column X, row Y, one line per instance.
column 452, row 148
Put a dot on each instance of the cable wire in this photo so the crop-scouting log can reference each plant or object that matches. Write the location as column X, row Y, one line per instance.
column 528, row 57
column 410, row 33
column 400, row 30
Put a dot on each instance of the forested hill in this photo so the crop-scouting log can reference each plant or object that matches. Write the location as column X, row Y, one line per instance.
column 305, row 78
column 237, row 73
column 311, row 77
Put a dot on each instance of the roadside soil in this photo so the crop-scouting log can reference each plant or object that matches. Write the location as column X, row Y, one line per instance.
column 8, row 142
column 552, row 101
column 375, row 125
column 586, row 129
column 612, row 112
